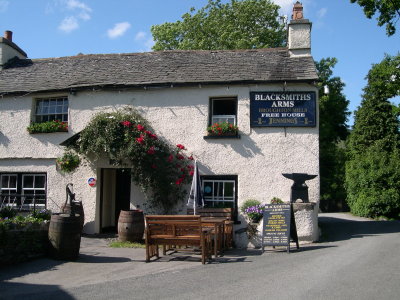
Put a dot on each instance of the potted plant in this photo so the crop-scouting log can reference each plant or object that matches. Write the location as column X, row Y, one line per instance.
column 222, row 129
column 253, row 209
column 276, row 200
column 47, row 127
column 68, row 162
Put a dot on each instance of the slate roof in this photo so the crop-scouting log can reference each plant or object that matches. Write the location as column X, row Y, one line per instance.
column 155, row 69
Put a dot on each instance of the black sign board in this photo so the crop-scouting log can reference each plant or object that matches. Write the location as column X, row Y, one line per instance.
column 279, row 226
column 283, row 109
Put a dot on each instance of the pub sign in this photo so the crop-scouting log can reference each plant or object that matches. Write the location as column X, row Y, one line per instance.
column 282, row 109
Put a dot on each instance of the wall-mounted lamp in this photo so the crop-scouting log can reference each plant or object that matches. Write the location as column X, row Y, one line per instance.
column 326, row 89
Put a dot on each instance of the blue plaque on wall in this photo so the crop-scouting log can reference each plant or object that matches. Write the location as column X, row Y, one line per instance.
column 283, row 109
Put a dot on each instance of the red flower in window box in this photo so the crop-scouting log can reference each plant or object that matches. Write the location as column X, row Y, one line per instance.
column 180, row 146
column 47, row 127
column 223, row 128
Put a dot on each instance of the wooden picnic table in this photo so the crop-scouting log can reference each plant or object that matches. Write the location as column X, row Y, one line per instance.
column 218, row 225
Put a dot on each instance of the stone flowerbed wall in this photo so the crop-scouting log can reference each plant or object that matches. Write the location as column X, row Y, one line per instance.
column 18, row 245
column 306, row 217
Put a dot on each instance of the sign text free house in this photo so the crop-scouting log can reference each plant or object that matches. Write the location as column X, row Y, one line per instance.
column 283, row 109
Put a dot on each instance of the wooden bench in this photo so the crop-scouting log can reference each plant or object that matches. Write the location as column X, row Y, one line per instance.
column 226, row 213
column 177, row 230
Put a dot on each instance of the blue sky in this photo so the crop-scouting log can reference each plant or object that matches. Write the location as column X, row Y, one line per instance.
column 55, row 28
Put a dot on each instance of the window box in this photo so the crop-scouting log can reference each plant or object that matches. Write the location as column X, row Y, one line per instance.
column 223, row 130
column 227, row 136
column 47, row 127
column 50, row 115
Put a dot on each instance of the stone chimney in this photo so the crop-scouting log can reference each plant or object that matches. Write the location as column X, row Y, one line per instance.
column 9, row 50
column 299, row 33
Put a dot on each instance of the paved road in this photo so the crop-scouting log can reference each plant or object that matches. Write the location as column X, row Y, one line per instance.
column 357, row 259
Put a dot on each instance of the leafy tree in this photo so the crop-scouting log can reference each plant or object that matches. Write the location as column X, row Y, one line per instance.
column 243, row 24
column 373, row 166
column 375, row 120
column 388, row 12
column 333, row 110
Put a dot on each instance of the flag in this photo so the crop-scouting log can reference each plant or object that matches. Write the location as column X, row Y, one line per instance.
column 196, row 198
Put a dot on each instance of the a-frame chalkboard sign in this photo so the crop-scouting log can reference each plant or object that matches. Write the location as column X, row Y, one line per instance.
column 279, row 226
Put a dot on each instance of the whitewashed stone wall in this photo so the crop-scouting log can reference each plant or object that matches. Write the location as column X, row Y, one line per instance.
column 180, row 115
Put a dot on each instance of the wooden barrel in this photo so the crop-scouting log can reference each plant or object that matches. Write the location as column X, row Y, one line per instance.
column 131, row 225
column 66, row 209
column 65, row 236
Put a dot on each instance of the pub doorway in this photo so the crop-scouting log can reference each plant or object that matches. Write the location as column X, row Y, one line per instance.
column 115, row 196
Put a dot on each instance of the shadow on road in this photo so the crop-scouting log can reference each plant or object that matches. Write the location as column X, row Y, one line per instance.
column 47, row 264
column 335, row 229
column 95, row 259
column 15, row 290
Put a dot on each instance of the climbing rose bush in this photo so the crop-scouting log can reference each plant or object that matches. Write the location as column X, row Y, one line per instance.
column 127, row 140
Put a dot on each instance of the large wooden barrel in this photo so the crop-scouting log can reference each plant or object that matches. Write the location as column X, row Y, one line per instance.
column 66, row 209
column 65, row 236
column 131, row 225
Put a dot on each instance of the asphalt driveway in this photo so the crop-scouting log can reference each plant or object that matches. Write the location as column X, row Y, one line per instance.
column 357, row 259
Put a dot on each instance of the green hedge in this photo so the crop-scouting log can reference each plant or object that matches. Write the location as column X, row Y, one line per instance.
column 18, row 245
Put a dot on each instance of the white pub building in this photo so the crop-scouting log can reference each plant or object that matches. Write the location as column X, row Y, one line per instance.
column 270, row 94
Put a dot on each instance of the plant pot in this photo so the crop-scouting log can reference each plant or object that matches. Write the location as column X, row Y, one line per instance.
column 222, row 134
column 256, row 220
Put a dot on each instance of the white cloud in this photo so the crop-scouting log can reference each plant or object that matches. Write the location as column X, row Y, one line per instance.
column 3, row 5
column 84, row 16
column 83, row 10
column 140, row 36
column 73, row 4
column 118, row 30
column 79, row 11
column 149, row 43
column 69, row 24
column 286, row 5
column 322, row 12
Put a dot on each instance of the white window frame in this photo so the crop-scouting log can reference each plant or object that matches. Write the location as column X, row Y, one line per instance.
column 232, row 119
column 40, row 114
column 7, row 190
column 32, row 191
column 220, row 198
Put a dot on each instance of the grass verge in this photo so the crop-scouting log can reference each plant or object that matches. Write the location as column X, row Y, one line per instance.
column 119, row 244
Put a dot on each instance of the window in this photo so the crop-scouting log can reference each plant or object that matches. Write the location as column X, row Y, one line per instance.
column 223, row 110
column 8, row 188
column 220, row 191
column 51, row 109
column 23, row 191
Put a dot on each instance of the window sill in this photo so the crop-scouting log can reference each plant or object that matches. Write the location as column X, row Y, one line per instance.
column 46, row 132
column 212, row 137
